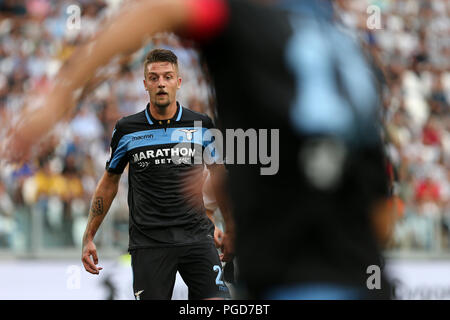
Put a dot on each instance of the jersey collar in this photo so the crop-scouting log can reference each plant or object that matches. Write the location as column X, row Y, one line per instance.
column 175, row 118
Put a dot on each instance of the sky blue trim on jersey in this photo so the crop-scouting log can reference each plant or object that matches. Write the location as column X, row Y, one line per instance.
column 158, row 137
column 147, row 115
column 211, row 154
column 179, row 113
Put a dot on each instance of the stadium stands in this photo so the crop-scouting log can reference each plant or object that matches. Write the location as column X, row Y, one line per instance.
column 44, row 204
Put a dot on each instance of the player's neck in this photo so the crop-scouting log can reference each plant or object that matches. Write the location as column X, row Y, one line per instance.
column 163, row 113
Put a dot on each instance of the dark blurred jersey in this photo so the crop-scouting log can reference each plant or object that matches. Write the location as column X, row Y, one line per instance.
column 290, row 68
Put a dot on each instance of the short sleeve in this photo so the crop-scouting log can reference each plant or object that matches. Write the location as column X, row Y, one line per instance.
column 117, row 160
column 213, row 143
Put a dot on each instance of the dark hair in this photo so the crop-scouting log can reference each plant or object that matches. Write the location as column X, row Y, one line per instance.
column 160, row 55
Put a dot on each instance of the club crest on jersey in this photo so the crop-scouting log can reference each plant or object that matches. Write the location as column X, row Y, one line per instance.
column 188, row 133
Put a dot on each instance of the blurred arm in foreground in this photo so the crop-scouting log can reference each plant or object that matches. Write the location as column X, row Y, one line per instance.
column 122, row 35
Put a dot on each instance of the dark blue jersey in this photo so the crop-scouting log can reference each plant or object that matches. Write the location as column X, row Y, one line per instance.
column 163, row 156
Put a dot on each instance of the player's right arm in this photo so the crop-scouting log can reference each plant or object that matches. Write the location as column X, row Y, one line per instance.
column 101, row 202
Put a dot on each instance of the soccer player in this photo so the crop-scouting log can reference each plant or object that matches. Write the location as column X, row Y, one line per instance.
column 169, row 231
column 313, row 229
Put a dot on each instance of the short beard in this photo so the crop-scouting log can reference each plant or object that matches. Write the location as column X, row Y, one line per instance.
column 162, row 106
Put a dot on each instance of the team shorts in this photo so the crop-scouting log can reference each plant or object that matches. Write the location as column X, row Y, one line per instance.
column 155, row 269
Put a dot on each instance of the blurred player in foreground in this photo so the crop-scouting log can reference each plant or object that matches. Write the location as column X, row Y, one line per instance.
column 313, row 228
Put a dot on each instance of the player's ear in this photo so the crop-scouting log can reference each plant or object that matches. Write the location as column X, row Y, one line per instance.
column 179, row 83
column 145, row 85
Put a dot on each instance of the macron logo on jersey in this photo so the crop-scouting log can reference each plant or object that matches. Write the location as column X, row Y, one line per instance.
column 146, row 136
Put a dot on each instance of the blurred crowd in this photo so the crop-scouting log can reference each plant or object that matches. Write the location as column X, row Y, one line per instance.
column 411, row 45
column 410, row 40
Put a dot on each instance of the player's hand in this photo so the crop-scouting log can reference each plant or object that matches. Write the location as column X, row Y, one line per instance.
column 24, row 135
column 218, row 236
column 89, row 250
column 227, row 246
column 13, row 147
column 39, row 114
column 21, row 142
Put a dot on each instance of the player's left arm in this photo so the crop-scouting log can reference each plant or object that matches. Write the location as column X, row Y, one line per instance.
column 218, row 234
column 218, row 182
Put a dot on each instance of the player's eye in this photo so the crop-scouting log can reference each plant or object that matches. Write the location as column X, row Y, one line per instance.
column 169, row 77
